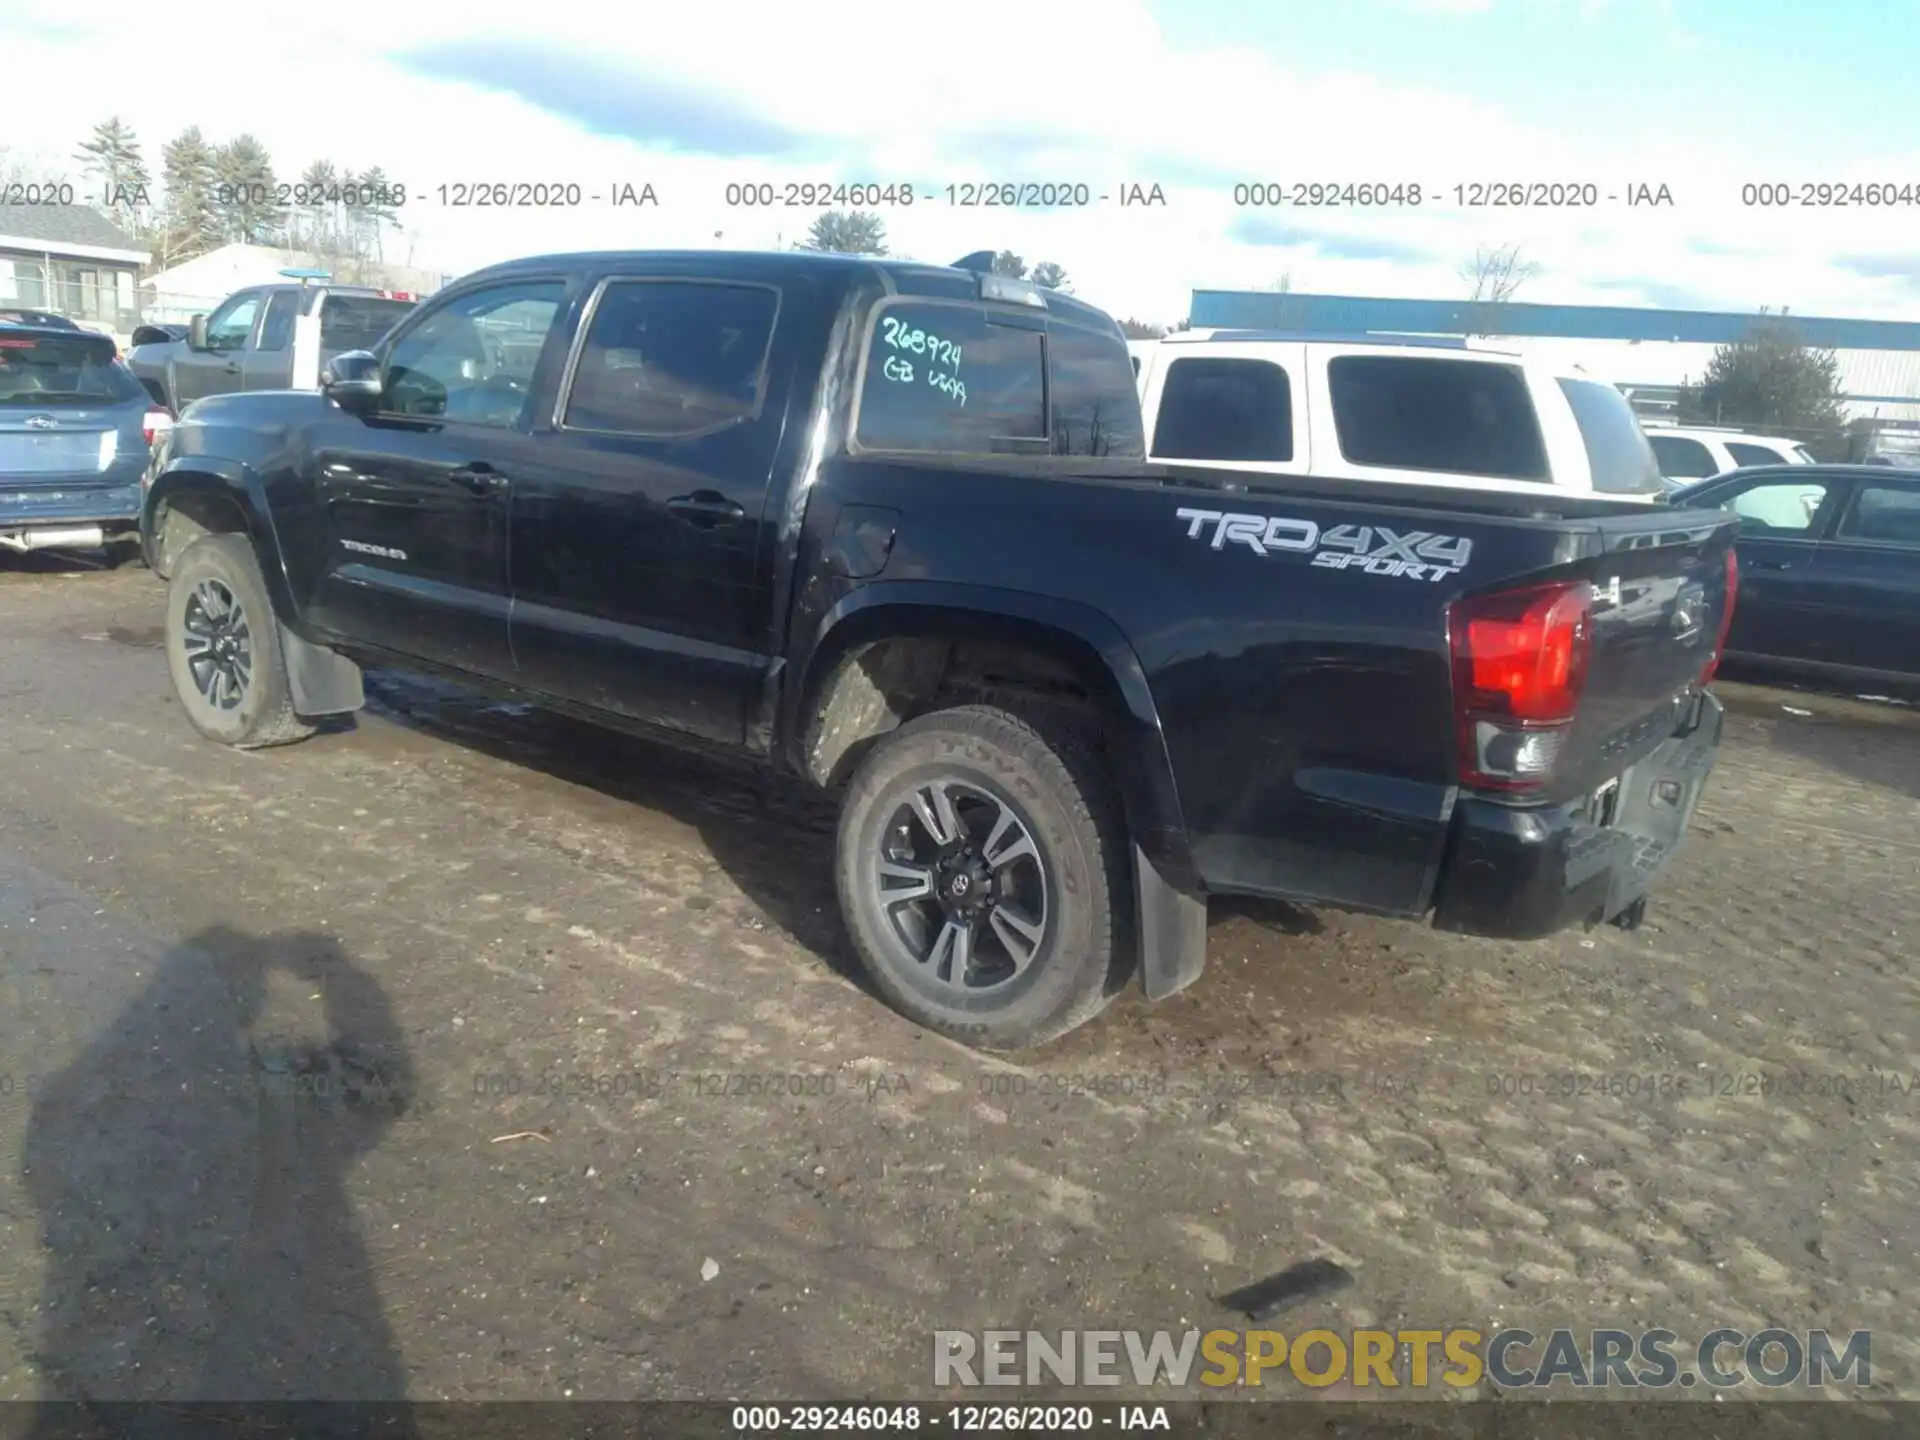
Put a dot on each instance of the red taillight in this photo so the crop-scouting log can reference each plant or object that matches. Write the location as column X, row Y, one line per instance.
column 1519, row 663
column 1726, row 618
column 157, row 423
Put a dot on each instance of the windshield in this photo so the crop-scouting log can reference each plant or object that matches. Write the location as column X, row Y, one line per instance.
column 1623, row 462
column 40, row 371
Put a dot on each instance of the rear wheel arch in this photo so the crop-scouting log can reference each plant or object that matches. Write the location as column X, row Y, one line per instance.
column 880, row 664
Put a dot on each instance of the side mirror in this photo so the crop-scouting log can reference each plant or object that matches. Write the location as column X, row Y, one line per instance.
column 351, row 380
column 197, row 333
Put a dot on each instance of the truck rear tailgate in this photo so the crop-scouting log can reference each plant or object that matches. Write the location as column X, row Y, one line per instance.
column 1662, row 588
column 1587, row 842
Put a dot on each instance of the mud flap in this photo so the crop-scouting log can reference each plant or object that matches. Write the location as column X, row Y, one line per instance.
column 1172, row 927
column 323, row 681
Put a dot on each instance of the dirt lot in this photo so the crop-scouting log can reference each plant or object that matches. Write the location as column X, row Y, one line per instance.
column 451, row 907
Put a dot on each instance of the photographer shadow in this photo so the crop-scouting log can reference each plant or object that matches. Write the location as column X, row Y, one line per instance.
column 190, row 1180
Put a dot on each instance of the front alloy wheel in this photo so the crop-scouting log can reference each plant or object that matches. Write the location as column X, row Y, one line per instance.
column 218, row 644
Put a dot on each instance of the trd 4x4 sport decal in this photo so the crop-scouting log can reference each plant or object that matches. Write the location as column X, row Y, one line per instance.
column 1417, row 555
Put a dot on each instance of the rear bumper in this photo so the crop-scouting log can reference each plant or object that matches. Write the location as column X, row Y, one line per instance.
column 1521, row 873
column 56, row 506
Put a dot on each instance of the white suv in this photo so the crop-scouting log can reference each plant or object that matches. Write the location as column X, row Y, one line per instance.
column 1372, row 408
column 1693, row 452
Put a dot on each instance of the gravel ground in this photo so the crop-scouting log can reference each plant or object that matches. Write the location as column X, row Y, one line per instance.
column 468, row 1053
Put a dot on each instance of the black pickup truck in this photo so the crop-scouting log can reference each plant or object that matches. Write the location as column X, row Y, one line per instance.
column 887, row 526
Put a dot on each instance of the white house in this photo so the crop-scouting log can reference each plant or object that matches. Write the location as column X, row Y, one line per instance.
column 73, row 261
column 195, row 286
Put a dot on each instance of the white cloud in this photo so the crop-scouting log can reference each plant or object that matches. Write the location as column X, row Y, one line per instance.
column 1070, row 90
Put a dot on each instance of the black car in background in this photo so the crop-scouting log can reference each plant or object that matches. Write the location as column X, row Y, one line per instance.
column 76, row 430
column 40, row 319
column 1829, row 567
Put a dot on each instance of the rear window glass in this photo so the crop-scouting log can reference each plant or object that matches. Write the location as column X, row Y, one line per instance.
column 358, row 322
column 47, row 370
column 1220, row 409
column 667, row 357
column 1683, row 459
column 1459, row 417
column 946, row 379
column 1885, row 513
column 1617, row 448
column 1754, row 454
column 1096, row 403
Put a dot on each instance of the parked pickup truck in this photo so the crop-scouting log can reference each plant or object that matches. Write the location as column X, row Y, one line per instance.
column 247, row 343
column 887, row 526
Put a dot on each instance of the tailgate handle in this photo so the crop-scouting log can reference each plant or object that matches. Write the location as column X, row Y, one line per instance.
column 1760, row 563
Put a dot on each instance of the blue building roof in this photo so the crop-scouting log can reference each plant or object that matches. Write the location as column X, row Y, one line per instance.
column 1349, row 314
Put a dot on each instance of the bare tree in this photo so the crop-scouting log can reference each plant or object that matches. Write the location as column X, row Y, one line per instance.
column 1495, row 274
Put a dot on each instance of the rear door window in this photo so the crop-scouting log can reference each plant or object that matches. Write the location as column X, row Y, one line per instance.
column 43, row 372
column 1456, row 417
column 952, row 379
column 1096, row 402
column 277, row 329
column 359, row 322
column 666, row 357
column 1617, row 451
column 1683, row 459
column 1886, row 514
column 1745, row 454
column 1215, row 408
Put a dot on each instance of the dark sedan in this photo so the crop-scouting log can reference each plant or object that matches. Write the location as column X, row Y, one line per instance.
column 76, row 430
column 1829, row 567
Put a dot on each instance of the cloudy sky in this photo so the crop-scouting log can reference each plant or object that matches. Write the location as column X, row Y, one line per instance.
column 1701, row 96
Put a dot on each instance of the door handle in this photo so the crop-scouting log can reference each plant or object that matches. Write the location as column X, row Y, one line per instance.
column 707, row 509
column 479, row 477
column 233, row 367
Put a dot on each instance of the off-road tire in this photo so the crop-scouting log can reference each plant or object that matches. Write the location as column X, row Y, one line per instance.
column 1069, row 807
column 265, row 714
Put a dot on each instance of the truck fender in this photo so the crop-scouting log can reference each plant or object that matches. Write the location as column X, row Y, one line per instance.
column 186, row 477
column 1170, row 910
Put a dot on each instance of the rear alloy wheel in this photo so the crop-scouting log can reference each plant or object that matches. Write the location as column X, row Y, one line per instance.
column 223, row 647
column 978, row 876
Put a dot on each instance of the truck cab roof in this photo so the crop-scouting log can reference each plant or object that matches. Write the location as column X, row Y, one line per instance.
column 897, row 276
